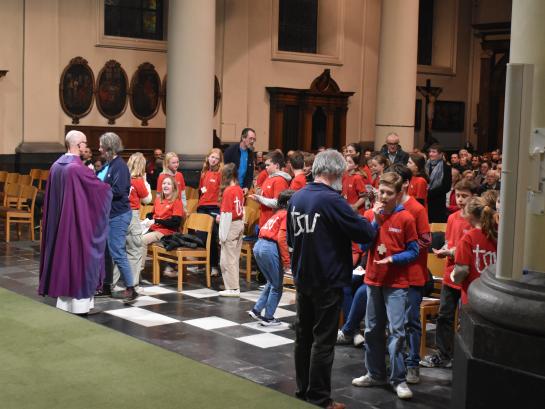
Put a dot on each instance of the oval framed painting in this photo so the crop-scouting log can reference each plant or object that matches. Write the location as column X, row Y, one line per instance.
column 145, row 92
column 77, row 89
column 112, row 91
column 164, row 95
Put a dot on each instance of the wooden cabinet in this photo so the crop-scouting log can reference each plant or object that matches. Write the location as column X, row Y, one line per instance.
column 308, row 118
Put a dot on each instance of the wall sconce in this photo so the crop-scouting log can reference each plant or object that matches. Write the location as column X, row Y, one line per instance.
column 3, row 73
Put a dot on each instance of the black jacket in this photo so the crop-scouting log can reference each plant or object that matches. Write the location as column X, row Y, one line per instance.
column 437, row 197
column 232, row 155
column 401, row 156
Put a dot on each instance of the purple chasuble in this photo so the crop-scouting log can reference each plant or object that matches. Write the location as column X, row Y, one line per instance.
column 75, row 227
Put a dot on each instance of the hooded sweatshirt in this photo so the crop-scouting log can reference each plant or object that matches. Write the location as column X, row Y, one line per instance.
column 271, row 188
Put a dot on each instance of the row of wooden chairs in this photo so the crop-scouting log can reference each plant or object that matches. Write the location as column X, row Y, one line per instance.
column 18, row 207
column 36, row 177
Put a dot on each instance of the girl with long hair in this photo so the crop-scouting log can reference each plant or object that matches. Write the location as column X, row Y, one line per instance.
column 418, row 185
column 378, row 164
column 170, row 168
column 353, row 186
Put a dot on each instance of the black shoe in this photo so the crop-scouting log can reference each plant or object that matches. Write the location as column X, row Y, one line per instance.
column 105, row 292
column 131, row 296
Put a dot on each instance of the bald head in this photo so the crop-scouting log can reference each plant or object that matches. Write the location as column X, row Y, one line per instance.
column 75, row 142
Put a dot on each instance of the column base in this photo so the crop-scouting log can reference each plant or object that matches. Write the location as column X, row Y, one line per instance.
column 495, row 367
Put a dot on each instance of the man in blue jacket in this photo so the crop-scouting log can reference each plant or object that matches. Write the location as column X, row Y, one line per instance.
column 321, row 228
column 242, row 155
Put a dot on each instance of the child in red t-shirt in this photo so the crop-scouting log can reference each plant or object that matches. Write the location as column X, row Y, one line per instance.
column 418, row 186
column 170, row 167
column 387, row 280
column 457, row 226
column 231, row 228
column 477, row 249
column 273, row 258
column 209, row 191
column 166, row 218
column 140, row 192
column 353, row 186
column 297, row 163
column 276, row 183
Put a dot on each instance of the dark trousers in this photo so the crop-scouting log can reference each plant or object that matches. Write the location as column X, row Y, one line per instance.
column 316, row 333
column 214, row 243
column 444, row 333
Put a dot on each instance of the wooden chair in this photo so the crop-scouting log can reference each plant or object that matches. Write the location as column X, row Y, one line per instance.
column 192, row 205
column 251, row 217
column 183, row 256
column 25, row 180
column 253, row 204
column 429, row 307
column 35, row 177
column 3, row 176
column 144, row 210
column 435, row 227
column 23, row 213
column 11, row 195
column 191, row 193
column 44, row 174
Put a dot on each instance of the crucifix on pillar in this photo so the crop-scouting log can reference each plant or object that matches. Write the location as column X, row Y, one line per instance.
column 431, row 94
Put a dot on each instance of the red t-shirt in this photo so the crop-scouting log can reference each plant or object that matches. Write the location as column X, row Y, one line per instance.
column 298, row 182
column 164, row 209
column 418, row 188
column 353, row 187
column 418, row 269
column 396, row 231
column 367, row 175
column 178, row 177
column 457, row 226
column 262, row 177
column 476, row 251
column 271, row 188
column 209, row 186
column 275, row 229
column 233, row 202
column 138, row 191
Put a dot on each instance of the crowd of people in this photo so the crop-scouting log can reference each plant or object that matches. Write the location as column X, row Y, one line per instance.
column 352, row 227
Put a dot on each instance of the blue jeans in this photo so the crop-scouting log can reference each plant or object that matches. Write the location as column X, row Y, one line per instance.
column 268, row 261
column 117, row 238
column 413, row 327
column 348, row 292
column 357, row 310
column 385, row 304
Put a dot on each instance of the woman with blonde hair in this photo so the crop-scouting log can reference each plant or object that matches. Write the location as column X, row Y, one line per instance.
column 170, row 168
column 209, row 192
column 140, row 192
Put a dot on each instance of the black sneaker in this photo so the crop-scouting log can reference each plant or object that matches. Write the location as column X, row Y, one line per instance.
column 435, row 361
column 270, row 322
column 131, row 295
column 255, row 315
column 105, row 292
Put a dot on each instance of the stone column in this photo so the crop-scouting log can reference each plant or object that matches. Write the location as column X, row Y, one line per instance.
column 190, row 84
column 396, row 90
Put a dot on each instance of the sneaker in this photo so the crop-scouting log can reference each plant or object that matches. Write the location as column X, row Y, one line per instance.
column 403, row 391
column 170, row 272
column 358, row 340
column 343, row 339
column 270, row 322
column 435, row 361
column 255, row 315
column 366, row 380
column 105, row 292
column 214, row 272
column 413, row 375
column 336, row 405
column 131, row 296
column 229, row 293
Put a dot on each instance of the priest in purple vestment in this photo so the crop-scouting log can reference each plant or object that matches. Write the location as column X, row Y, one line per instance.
column 74, row 230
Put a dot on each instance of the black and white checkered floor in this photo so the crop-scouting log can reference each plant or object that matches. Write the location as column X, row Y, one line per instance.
column 217, row 331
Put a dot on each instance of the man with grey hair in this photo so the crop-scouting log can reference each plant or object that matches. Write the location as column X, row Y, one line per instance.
column 75, row 226
column 117, row 175
column 392, row 150
column 321, row 228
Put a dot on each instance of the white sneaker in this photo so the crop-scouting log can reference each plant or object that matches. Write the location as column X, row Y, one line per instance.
column 358, row 340
column 229, row 293
column 170, row 272
column 342, row 338
column 403, row 391
column 366, row 380
column 214, row 272
column 413, row 375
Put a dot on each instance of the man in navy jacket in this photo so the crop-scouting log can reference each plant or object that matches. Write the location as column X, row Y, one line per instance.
column 242, row 155
column 321, row 228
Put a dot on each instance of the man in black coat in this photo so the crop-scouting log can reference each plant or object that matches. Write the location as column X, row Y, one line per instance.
column 392, row 150
column 440, row 174
column 243, row 156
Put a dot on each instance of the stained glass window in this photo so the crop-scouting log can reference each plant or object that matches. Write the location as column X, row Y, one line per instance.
column 135, row 18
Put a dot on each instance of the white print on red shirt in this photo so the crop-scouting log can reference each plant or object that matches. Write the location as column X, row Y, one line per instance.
column 488, row 258
column 296, row 221
column 238, row 206
column 270, row 223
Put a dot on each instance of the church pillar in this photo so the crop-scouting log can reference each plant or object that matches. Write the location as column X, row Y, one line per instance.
column 396, row 90
column 190, row 84
column 502, row 337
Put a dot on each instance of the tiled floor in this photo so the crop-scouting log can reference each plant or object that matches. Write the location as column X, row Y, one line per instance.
column 218, row 331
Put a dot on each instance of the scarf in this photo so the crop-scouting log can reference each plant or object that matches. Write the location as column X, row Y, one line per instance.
column 435, row 170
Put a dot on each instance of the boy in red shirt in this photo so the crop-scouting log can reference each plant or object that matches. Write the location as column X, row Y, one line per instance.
column 231, row 228
column 297, row 162
column 477, row 249
column 275, row 184
column 387, row 280
column 457, row 227
column 273, row 258
column 418, row 274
